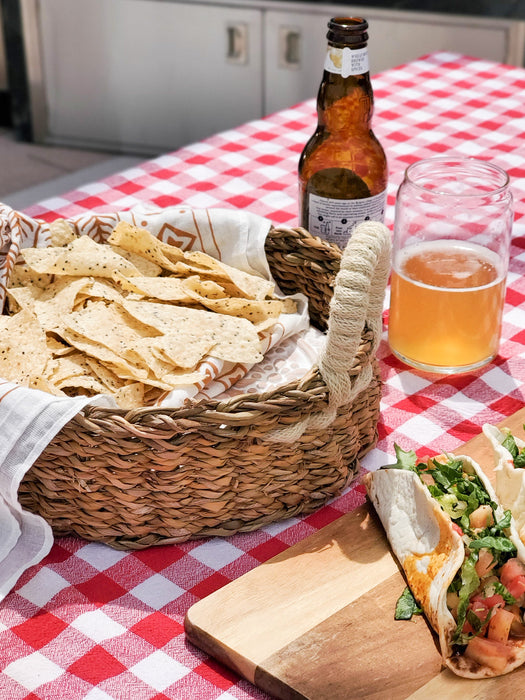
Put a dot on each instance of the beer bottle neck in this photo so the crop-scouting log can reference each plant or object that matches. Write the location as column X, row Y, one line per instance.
column 345, row 97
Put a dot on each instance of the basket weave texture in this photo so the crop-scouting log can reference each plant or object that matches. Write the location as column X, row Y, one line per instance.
column 157, row 476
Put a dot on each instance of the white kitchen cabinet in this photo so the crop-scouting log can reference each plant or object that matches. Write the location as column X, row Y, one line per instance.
column 147, row 76
column 395, row 37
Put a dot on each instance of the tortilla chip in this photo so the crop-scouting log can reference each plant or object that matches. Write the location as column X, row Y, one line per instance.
column 108, row 325
column 234, row 339
column 64, row 367
column 142, row 242
column 44, row 384
column 100, row 290
column 83, row 257
column 109, row 379
column 204, row 288
column 184, row 264
column 117, row 364
column 22, row 298
column 141, row 354
column 184, row 349
column 176, row 378
column 61, row 233
column 23, row 276
column 255, row 311
column 130, row 396
column 204, row 292
column 57, row 346
column 144, row 266
column 91, row 385
column 51, row 307
column 23, row 349
column 161, row 288
column 235, row 282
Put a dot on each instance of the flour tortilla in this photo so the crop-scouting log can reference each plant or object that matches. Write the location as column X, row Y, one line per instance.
column 510, row 482
column 431, row 552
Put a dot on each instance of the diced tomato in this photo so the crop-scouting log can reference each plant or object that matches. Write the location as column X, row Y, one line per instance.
column 512, row 576
column 489, row 652
column 511, row 568
column 467, row 628
column 479, row 610
column 499, row 625
column 516, row 587
column 456, row 527
column 427, row 479
column 485, row 563
column 494, row 601
column 481, row 607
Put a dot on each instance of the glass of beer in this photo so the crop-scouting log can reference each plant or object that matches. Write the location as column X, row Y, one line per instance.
column 452, row 230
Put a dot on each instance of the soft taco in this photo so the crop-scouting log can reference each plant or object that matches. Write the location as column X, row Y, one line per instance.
column 509, row 470
column 462, row 558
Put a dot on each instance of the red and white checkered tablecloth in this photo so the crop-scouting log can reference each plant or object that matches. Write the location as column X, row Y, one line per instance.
column 90, row 622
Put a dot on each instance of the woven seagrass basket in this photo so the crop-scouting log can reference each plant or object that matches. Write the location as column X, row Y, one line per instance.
column 155, row 476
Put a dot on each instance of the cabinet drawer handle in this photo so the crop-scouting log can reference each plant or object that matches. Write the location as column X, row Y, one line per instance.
column 237, row 43
column 289, row 47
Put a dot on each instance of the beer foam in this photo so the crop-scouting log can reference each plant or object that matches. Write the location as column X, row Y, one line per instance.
column 442, row 257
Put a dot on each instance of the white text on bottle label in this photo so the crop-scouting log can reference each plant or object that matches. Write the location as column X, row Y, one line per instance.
column 334, row 219
column 347, row 61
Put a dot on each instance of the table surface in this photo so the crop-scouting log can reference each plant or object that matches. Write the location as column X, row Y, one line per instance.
column 91, row 622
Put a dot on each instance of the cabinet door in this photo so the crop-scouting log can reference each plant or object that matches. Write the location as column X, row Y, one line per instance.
column 295, row 53
column 147, row 76
column 296, row 44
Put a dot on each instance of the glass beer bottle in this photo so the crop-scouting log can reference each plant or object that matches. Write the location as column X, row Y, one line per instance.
column 343, row 169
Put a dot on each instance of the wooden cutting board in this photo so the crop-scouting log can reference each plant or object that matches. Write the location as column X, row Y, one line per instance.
column 317, row 621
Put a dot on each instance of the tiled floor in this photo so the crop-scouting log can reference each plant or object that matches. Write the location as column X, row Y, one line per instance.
column 32, row 172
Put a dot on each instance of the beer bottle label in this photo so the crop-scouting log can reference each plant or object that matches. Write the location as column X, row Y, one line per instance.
column 346, row 61
column 334, row 219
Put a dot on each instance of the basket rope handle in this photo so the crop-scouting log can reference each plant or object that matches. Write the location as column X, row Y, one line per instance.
column 357, row 300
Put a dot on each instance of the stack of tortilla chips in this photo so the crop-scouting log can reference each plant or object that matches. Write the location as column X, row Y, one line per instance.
column 133, row 317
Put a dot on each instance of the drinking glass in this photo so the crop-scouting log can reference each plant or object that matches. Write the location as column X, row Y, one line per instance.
column 453, row 223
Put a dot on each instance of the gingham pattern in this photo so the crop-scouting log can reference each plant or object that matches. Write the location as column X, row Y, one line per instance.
column 90, row 622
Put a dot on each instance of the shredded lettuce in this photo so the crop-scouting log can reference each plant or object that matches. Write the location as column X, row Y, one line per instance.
column 519, row 461
column 469, row 583
column 452, row 505
column 404, row 460
column 518, row 455
column 495, row 544
column 500, row 589
column 406, row 606
column 509, row 443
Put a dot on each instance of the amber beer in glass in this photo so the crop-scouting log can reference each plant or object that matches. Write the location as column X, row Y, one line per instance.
column 452, row 231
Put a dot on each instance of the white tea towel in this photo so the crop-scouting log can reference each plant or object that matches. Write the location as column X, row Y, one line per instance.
column 29, row 420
